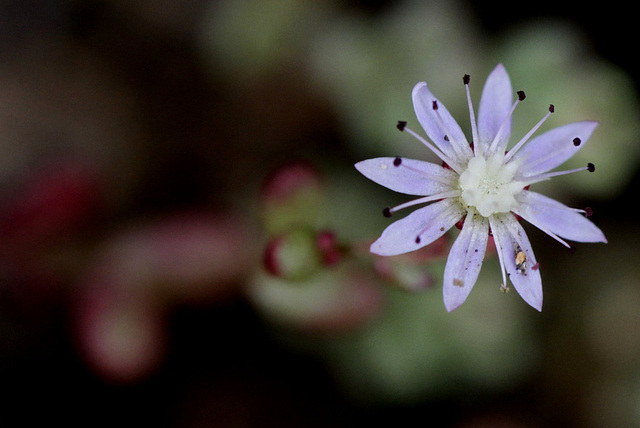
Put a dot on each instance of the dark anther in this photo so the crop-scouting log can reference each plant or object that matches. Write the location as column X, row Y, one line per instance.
column 521, row 95
column 572, row 249
column 577, row 141
column 386, row 212
column 591, row 167
column 446, row 138
column 466, row 79
column 435, row 105
column 552, row 108
column 401, row 124
column 397, row 162
column 417, row 239
column 588, row 212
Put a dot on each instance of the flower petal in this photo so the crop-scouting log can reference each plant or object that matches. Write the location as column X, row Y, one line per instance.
column 465, row 260
column 412, row 177
column 430, row 223
column 553, row 148
column 546, row 213
column 511, row 239
column 495, row 104
column 444, row 133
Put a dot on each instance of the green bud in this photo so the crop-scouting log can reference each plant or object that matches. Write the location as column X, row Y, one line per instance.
column 293, row 255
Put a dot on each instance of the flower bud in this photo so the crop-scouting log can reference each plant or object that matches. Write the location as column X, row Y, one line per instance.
column 300, row 252
column 291, row 194
column 328, row 246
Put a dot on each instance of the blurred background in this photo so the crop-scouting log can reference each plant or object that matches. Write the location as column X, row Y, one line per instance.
column 183, row 237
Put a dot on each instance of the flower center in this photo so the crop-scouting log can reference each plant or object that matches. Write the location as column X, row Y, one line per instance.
column 488, row 184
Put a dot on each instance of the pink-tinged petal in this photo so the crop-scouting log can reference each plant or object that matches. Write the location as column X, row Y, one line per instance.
column 511, row 239
column 465, row 260
column 495, row 104
column 428, row 223
column 553, row 148
column 444, row 131
column 412, row 177
column 549, row 214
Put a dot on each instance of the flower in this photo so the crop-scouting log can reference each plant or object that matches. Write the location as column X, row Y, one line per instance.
column 483, row 187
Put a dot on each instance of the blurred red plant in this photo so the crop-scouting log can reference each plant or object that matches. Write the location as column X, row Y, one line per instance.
column 141, row 274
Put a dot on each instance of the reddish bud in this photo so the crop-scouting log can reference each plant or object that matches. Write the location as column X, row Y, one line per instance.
column 297, row 254
column 288, row 181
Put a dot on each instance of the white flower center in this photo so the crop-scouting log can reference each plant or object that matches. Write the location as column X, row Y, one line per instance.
column 488, row 184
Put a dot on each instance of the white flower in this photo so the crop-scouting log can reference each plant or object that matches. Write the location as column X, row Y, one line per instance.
column 484, row 185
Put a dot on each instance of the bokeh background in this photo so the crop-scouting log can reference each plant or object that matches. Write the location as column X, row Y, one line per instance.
column 183, row 237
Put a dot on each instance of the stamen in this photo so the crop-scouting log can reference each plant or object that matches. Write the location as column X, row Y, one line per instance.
column 502, row 267
column 542, row 177
column 524, row 139
column 494, row 143
column 553, row 235
column 577, row 141
column 425, row 199
column 548, row 232
column 456, row 147
column 439, row 178
column 386, row 212
column 472, row 117
column 454, row 165
column 550, row 155
column 588, row 212
column 445, row 213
